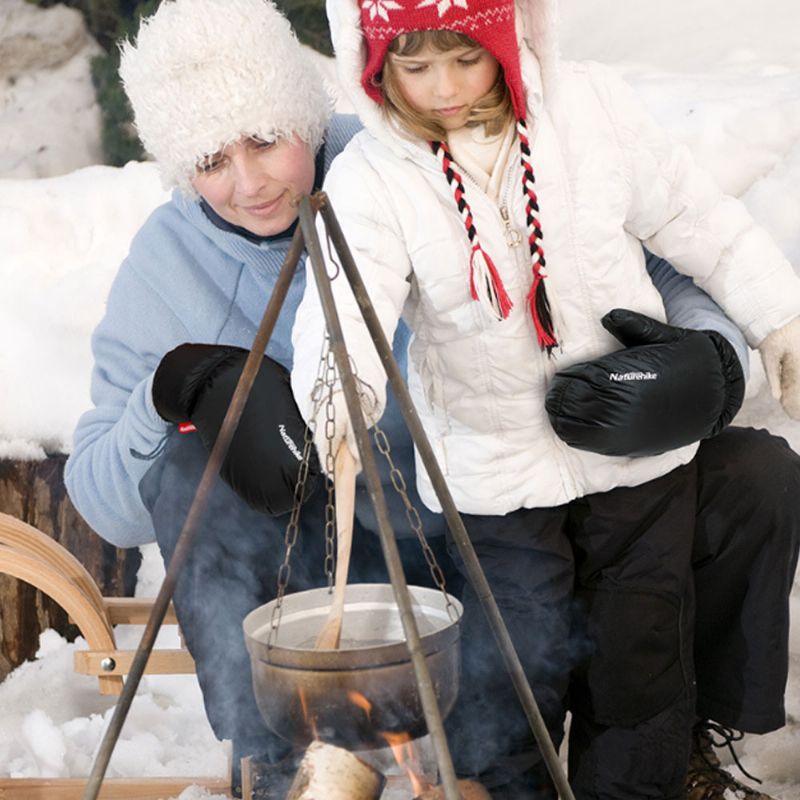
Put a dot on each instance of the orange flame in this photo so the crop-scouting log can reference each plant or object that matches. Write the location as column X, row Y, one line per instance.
column 311, row 721
column 405, row 755
column 359, row 700
column 400, row 743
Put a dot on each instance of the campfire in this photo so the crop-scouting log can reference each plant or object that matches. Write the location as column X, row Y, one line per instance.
column 358, row 706
column 328, row 772
column 403, row 770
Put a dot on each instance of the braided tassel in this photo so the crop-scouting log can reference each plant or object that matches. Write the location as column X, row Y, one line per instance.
column 539, row 306
column 493, row 294
column 485, row 283
column 537, row 300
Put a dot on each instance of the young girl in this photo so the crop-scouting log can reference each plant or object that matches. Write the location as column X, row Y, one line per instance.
column 498, row 199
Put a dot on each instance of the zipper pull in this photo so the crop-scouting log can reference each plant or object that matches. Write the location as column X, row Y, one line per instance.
column 513, row 238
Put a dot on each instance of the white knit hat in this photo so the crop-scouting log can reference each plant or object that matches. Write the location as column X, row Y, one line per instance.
column 203, row 73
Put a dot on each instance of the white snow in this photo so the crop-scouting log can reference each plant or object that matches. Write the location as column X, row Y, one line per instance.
column 722, row 75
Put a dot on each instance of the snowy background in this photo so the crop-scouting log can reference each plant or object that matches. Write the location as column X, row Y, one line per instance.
column 722, row 75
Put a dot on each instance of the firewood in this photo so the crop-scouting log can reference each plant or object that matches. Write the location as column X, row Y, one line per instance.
column 332, row 773
column 469, row 790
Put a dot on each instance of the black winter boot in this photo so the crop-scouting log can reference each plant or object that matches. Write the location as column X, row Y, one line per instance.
column 706, row 779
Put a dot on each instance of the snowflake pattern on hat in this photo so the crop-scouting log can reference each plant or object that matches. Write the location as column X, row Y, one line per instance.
column 443, row 6
column 381, row 8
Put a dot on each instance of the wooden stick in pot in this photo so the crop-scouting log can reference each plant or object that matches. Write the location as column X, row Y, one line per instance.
column 345, row 487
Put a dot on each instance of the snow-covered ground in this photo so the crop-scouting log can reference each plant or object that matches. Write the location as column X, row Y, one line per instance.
column 722, row 75
column 49, row 117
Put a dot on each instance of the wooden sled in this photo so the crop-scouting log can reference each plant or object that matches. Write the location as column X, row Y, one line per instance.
column 31, row 556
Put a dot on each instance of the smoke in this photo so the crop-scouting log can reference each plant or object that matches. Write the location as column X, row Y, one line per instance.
column 233, row 567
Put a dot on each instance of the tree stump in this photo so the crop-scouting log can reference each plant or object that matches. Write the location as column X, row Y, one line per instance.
column 33, row 491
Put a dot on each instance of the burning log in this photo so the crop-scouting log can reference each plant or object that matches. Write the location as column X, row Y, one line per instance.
column 469, row 790
column 332, row 773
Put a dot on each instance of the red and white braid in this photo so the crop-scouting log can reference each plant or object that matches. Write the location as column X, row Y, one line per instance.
column 485, row 283
column 537, row 299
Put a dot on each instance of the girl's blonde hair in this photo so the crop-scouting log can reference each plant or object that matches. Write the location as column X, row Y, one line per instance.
column 494, row 109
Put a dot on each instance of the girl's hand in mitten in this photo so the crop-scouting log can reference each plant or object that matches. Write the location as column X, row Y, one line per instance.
column 669, row 387
column 780, row 353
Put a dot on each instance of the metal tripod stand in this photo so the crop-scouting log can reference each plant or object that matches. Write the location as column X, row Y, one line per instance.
column 306, row 236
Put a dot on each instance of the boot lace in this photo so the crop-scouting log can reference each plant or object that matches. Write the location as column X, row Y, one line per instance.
column 719, row 736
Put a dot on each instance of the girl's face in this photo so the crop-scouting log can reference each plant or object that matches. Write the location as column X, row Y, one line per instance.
column 256, row 184
column 444, row 86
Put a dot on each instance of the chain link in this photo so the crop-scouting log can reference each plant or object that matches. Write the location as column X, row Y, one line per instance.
column 292, row 533
column 414, row 519
column 330, row 465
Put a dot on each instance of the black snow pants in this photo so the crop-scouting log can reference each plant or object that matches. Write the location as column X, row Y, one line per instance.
column 638, row 610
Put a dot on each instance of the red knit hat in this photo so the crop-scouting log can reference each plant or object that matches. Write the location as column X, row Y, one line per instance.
column 489, row 23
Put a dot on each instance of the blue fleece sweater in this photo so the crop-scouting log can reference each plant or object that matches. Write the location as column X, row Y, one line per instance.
column 188, row 280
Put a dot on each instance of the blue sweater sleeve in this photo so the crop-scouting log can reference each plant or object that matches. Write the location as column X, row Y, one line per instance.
column 117, row 441
column 687, row 306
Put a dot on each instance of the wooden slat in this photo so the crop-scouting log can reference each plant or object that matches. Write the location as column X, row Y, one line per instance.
column 112, row 789
column 134, row 610
column 160, row 662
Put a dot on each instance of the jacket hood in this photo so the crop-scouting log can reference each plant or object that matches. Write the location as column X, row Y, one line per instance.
column 536, row 33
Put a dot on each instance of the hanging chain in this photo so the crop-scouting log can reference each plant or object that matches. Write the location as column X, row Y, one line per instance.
column 414, row 520
column 293, row 526
column 330, row 463
column 323, row 391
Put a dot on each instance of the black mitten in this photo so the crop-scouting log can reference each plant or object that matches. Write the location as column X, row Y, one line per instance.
column 669, row 387
column 195, row 382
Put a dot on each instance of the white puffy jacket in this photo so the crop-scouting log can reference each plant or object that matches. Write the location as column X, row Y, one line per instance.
column 607, row 179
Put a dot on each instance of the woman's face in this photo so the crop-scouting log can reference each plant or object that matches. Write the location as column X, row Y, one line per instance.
column 444, row 86
column 257, row 184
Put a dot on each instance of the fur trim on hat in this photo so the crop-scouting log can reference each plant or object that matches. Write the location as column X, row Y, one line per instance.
column 203, row 73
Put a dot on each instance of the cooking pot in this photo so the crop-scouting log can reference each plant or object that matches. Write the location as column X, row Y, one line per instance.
column 353, row 695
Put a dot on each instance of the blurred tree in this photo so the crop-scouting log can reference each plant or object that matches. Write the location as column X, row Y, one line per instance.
column 120, row 142
column 111, row 20
column 309, row 20
column 101, row 16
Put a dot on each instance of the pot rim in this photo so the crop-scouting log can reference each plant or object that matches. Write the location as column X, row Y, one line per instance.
column 256, row 627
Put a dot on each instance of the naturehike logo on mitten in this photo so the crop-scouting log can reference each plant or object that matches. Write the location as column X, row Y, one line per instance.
column 633, row 376
column 289, row 442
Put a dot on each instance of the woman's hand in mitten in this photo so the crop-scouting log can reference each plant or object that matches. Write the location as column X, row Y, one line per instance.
column 196, row 382
column 780, row 353
column 669, row 387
